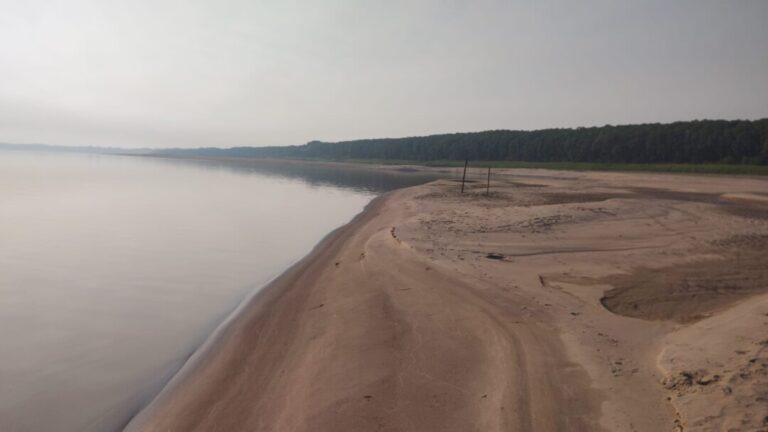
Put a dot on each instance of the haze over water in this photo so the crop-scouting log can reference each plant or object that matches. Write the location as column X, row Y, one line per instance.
column 114, row 269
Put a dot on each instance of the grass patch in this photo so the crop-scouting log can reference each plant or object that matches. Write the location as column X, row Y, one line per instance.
column 578, row 166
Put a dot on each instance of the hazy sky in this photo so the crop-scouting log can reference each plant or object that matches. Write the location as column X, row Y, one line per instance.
column 187, row 73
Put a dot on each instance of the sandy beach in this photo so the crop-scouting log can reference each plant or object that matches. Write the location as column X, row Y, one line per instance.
column 561, row 301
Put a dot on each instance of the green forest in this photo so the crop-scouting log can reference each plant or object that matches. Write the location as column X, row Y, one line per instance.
column 691, row 142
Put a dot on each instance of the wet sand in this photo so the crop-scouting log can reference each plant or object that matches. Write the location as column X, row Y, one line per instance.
column 560, row 301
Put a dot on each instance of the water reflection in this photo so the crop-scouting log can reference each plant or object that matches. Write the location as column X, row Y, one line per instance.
column 359, row 178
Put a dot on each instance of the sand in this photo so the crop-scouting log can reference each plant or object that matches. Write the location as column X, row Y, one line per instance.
column 560, row 301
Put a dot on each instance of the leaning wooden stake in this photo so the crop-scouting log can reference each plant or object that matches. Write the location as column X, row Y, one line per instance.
column 488, row 185
column 464, row 176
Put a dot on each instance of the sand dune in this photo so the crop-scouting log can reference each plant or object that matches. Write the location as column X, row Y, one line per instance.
column 560, row 301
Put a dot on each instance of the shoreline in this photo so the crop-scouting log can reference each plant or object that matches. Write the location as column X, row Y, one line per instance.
column 691, row 169
column 289, row 285
column 263, row 293
column 419, row 314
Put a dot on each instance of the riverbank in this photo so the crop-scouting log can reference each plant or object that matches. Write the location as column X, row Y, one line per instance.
column 674, row 168
column 400, row 165
column 536, row 307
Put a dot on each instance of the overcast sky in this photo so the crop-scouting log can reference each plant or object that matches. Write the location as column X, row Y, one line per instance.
column 153, row 73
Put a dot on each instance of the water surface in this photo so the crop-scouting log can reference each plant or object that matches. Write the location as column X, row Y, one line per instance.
column 113, row 269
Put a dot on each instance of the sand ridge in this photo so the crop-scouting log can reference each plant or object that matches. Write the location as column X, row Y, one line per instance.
column 536, row 307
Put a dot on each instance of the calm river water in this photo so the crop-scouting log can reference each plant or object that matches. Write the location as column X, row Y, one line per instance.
column 113, row 269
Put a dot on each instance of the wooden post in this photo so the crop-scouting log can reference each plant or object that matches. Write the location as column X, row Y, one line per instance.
column 488, row 185
column 464, row 176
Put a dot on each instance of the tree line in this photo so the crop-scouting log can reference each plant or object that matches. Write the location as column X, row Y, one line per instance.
column 700, row 141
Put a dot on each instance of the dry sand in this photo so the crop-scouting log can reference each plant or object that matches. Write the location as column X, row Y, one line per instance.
column 560, row 302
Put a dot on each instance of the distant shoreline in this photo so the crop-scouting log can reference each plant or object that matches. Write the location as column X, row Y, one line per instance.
column 675, row 168
column 400, row 165
column 694, row 146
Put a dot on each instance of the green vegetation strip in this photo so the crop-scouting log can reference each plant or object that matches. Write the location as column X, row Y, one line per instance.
column 577, row 166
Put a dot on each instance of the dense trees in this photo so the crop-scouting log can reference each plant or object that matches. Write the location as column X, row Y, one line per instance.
column 706, row 141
